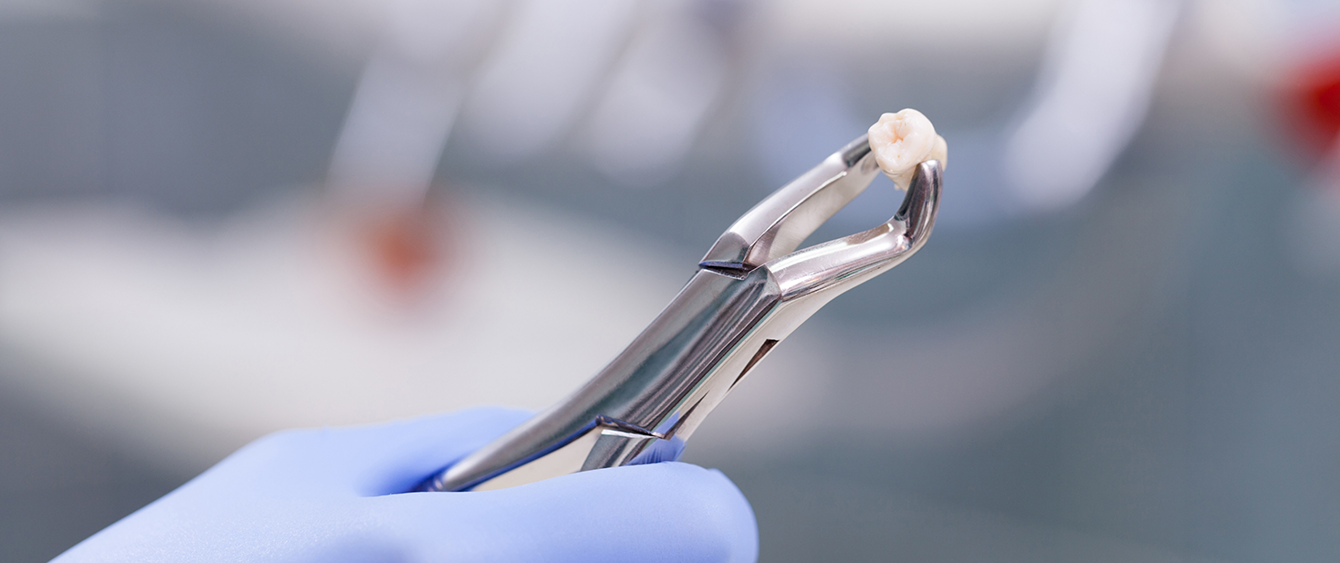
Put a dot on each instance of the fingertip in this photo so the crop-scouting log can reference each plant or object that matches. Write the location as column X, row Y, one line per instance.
column 698, row 514
column 722, row 510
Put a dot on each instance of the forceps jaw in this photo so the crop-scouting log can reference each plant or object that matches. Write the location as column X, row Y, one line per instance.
column 778, row 224
column 847, row 262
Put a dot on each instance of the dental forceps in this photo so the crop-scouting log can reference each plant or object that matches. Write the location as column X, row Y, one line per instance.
column 751, row 290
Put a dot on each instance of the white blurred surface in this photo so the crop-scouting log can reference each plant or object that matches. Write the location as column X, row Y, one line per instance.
column 1096, row 83
column 194, row 340
column 848, row 24
column 548, row 62
column 659, row 96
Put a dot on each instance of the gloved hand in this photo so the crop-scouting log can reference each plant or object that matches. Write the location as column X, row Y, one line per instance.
column 331, row 495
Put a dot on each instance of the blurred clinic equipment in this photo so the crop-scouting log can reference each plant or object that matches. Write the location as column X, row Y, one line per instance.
column 399, row 120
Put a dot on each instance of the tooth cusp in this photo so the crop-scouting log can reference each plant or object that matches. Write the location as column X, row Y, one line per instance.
column 903, row 140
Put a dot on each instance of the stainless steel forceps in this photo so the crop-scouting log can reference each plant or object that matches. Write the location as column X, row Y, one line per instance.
column 751, row 290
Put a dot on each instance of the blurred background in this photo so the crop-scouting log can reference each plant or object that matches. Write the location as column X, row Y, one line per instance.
column 220, row 218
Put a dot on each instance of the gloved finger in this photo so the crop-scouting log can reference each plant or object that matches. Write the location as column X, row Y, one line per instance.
column 396, row 456
column 660, row 512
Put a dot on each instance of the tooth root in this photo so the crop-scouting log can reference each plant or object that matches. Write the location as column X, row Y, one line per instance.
column 940, row 152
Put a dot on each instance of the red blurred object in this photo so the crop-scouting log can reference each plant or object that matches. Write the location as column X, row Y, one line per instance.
column 1313, row 99
column 404, row 249
column 410, row 247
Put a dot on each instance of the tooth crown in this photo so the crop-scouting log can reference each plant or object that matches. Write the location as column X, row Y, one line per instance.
column 902, row 140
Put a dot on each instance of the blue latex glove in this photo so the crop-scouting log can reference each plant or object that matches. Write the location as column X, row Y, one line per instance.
column 330, row 495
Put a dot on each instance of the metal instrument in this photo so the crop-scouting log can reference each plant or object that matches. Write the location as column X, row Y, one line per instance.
column 751, row 290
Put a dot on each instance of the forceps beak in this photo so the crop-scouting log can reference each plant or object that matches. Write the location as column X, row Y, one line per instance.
column 922, row 203
column 778, row 224
column 769, row 233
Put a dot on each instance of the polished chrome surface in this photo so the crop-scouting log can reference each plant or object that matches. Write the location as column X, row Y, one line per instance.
column 779, row 223
column 751, row 290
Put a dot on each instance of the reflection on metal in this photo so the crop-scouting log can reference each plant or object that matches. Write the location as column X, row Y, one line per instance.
column 758, row 357
column 751, row 290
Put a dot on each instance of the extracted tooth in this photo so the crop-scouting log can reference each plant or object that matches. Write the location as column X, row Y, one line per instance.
column 903, row 140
